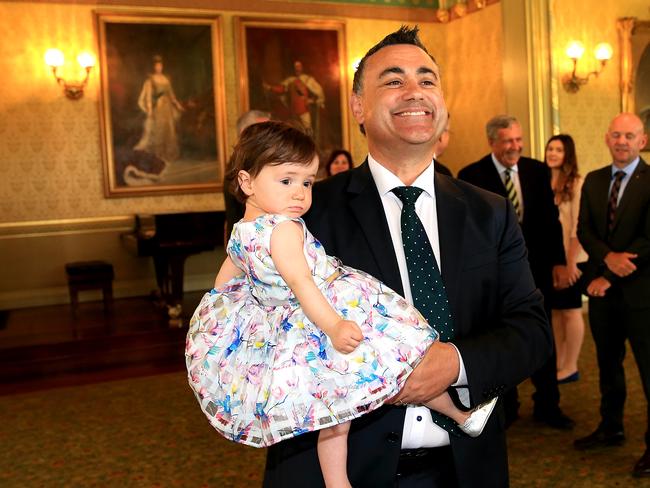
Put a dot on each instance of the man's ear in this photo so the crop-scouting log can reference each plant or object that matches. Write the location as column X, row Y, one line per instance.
column 356, row 107
column 244, row 179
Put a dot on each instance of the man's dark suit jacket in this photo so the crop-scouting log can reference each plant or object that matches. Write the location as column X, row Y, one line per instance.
column 503, row 334
column 631, row 231
column 441, row 168
column 541, row 225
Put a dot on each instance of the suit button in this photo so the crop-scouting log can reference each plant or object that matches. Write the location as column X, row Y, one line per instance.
column 392, row 437
column 419, row 418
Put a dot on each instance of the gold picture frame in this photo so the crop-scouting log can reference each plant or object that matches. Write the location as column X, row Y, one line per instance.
column 634, row 37
column 296, row 69
column 162, row 103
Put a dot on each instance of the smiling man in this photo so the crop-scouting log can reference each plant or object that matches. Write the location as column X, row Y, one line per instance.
column 614, row 229
column 484, row 304
column 527, row 184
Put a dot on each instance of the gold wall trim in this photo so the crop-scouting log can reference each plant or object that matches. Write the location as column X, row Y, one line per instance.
column 408, row 14
column 539, row 75
column 42, row 228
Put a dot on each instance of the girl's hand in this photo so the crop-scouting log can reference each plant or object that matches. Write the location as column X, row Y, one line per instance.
column 346, row 336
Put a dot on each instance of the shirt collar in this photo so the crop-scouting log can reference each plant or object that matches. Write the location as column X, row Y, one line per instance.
column 386, row 180
column 501, row 168
column 629, row 169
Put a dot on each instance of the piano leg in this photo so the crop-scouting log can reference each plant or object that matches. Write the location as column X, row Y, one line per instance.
column 161, row 264
column 169, row 276
column 177, row 268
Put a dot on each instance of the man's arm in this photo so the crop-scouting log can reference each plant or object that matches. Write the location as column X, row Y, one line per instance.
column 519, row 340
column 588, row 235
column 553, row 230
column 497, row 355
column 616, row 265
column 552, row 226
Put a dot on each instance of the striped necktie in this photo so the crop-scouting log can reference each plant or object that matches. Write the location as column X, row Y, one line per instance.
column 511, row 191
column 427, row 288
column 612, row 204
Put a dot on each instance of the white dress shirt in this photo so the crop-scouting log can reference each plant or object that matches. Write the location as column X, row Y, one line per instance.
column 419, row 429
column 514, row 176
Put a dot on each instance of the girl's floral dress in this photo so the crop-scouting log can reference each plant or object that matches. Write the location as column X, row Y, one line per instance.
column 263, row 372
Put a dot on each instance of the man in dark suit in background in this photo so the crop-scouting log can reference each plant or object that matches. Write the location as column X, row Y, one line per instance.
column 501, row 334
column 527, row 184
column 614, row 228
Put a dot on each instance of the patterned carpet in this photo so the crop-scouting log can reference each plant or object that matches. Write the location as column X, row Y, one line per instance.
column 149, row 432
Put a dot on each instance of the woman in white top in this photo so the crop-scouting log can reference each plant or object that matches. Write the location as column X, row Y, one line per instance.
column 568, row 324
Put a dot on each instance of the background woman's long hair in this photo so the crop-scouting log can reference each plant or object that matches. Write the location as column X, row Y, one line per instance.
column 569, row 169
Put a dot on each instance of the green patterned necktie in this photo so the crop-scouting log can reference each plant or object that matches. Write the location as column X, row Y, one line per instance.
column 427, row 289
column 511, row 191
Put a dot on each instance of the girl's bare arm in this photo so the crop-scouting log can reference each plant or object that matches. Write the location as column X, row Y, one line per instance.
column 287, row 254
column 227, row 272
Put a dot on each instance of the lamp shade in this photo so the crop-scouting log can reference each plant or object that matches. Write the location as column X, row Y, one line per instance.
column 86, row 60
column 603, row 51
column 575, row 49
column 54, row 58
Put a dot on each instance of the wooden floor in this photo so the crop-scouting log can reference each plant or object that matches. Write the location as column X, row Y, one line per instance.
column 47, row 347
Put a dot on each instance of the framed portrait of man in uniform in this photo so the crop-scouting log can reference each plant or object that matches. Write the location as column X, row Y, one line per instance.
column 635, row 70
column 296, row 70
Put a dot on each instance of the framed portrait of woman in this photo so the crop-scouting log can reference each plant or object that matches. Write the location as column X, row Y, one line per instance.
column 635, row 69
column 162, row 103
column 296, row 70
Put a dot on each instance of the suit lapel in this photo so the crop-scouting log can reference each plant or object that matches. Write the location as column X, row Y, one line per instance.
column 368, row 211
column 525, row 182
column 601, row 195
column 631, row 191
column 492, row 178
column 451, row 212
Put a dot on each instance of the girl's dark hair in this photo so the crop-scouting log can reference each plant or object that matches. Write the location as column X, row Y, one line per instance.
column 569, row 169
column 267, row 143
column 335, row 154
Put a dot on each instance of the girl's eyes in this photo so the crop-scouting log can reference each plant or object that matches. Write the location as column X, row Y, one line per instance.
column 287, row 181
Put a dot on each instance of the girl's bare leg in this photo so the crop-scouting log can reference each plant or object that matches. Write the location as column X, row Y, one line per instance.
column 472, row 422
column 574, row 330
column 444, row 405
column 333, row 455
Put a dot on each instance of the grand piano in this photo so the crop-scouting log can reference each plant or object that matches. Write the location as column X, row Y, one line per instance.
column 170, row 239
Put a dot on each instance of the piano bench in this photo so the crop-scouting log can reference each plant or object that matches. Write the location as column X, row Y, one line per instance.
column 90, row 275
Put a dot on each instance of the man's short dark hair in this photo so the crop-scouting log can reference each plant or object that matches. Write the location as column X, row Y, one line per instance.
column 404, row 35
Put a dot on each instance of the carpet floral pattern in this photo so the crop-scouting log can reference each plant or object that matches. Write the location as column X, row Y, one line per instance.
column 150, row 432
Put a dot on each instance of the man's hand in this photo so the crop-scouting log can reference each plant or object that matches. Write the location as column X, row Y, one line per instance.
column 438, row 369
column 620, row 263
column 598, row 287
column 346, row 337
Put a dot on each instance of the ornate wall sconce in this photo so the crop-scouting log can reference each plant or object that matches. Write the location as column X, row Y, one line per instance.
column 74, row 90
column 575, row 50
